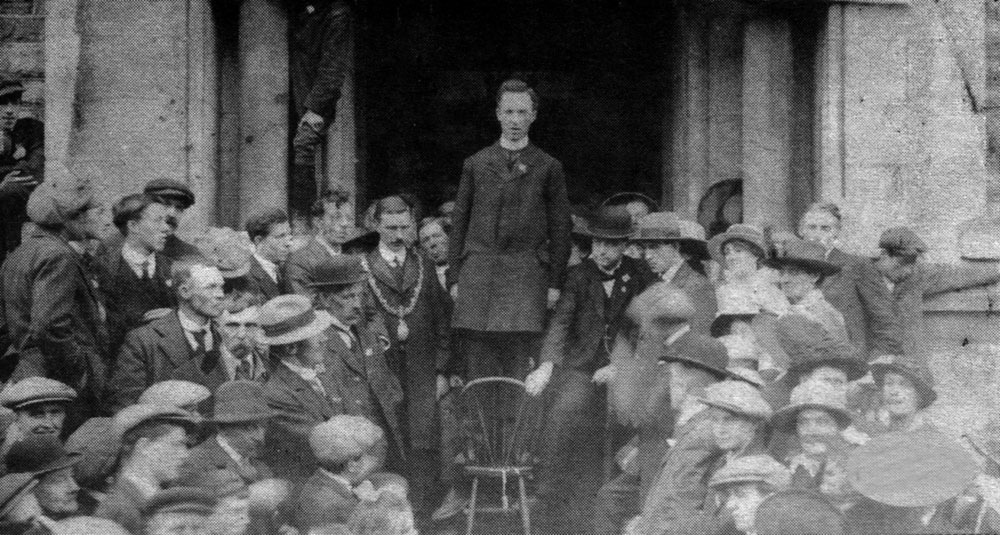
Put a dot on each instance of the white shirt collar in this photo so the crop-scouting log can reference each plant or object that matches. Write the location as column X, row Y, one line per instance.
column 136, row 259
column 146, row 488
column 389, row 255
column 333, row 250
column 338, row 478
column 230, row 361
column 190, row 327
column 514, row 145
column 677, row 334
column 669, row 274
column 269, row 267
column 309, row 374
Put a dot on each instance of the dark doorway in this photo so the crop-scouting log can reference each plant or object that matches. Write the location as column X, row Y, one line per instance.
column 428, row 70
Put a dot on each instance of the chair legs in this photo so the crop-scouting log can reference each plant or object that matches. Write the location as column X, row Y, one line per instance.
column 525, row 513
column 471, row 511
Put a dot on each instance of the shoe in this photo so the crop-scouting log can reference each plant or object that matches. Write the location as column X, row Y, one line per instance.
column 452, row 504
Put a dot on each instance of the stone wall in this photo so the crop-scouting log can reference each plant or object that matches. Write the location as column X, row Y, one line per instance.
column 22, row 37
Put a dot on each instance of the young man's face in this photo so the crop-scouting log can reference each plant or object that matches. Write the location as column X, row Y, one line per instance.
column 515, row 112
column 815, row 428
column 57, row 492
column 742, row 501
column 732, row 432
column 820, row 227
column 661, row 256
column 166, row 454
column 435, row 242
column 892, row 267
column 395, row 230
column 796, row 283
column 277, row 244
column 10, row 107
column 150, row 231
column 336, row 222
column 44, row 419
column 174, row 209
column 899, row 395
column 607, row 253
column 203, row 291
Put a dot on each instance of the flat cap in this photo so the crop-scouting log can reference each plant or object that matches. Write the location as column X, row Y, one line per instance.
column 171, row 189
column 175, row 393
column 902, row 241
column 33, row 390
column 738, row 397
column 752, row 469
column 344, row 437
column 132, row 416
column 51, row 205
column 11, row 87
column 181, row 500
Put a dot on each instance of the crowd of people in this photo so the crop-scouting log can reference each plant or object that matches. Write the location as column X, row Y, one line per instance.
column 260, row 381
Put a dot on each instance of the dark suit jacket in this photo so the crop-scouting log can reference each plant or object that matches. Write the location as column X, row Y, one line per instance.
column 584, row 317
column 297, row 408
column 127, row 297
column 702, row 295
column 209, row 456
column 300, row 266
column 510, row 240
column 262, row 283
column 54, row 315
column 321, row 44
column 323, row 501
column 861, row 296
column 156, row 352
column 425, row 353
column 124, row 505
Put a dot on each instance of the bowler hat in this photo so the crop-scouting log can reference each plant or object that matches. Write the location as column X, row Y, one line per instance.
column 806, row 255
column 338, row 270
column 133, row 416
column 227, row 250
column 658, row 226
column 693, row 241
column 181, row 500
column 748, row 234
column 920, row 376
column 701, row 352
column 797, row 511
column 344, row 437
column 810, row 346
column 170, row 189
column 610, row 223
column 175, row 393
column 11, row 87
column 51, row 205
column 360, row 241
column 34, row 390
column 39, row 455
column 812, row 395
column 240, row 402
column 287, row 319
column 737, row 397
column 12, row 488
column 902, row 241
column 625, row 197
column 736, row 302
column 758, row 468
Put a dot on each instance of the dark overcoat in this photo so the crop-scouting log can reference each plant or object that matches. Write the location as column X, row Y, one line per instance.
column 153, row 353
column 321, row 48
column 510, row 240
column 261, row 283
column 859, row 293
column 127, row 297
column 425, row 352
column 54, row 315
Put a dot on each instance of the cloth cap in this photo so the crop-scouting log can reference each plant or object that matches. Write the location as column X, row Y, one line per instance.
column 171, row 189
column 746, row 233
column 51, row 205
column 176, row 393
column 287, row 319
column 902, row 241
column 134, row 415
column 658, row 226
column 39, row 455
column 360, row 241
column 12, row 488
column 240, row 402
column 33, row 390
column 805, row 255
column 344, row 437
column 88, row 525
column 11, row 87
column 752, row 469
column 794, row 512
column 810, row 346
column 181, row 500
column 813, row 395
column 338, row 271
column 228, row 250
column 661, row 302
column 608, row 223
column 738, row 397
column 920, row 376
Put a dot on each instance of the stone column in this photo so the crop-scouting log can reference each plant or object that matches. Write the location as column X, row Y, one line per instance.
column 340, row 157
column 264, row 121
column 62, row 56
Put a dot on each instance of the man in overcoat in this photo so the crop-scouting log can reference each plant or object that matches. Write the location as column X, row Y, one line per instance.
column 510, row 242
column 55, row 318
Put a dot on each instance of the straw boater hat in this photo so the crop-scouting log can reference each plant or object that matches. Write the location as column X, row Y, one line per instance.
column 812, row 395
column 810, row 346
column 287, row 319
column 736, row 302
column 752, row 469
column 918, row 375
column 664, row 227
column 805, row 255
column 344, row 437
column 798, row 511
column 610, row 223
column 745, row 233
column 737, row 397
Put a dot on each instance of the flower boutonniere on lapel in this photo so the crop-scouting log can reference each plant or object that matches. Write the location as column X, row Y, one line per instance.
column 626, row 278
column 521, row 168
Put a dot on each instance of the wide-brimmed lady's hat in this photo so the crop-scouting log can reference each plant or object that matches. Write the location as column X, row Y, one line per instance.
column 737, row 397
column 813, row 395
column 920, row 376
column 287, row 319
column 805, row 255
column 748, row 234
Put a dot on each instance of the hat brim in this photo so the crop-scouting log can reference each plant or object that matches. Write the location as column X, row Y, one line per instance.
column 66, row 400
column 235, row 273
column 786, row 418
column 825, row 269
column 320, row 323
column 186, row 198
column 924, row 390
column 723, row 322
column 363, row 241
column 733, row 409
column 72, row 458
column 604, row 234
column 741, row 479
column 719, row 241
column 722, row 373
column 11, row 90
column 855, row 369
column 339, row 282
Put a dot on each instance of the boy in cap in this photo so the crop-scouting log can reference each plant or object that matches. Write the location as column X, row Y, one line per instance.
column 178, row 510
column 54, row 314
column 803, row 268
column 732, row 423
column 744, row 483
column 910, row 281
column 39, row 406
column 57, row 492
column 348, row 450
column 176, row 197
column 154, row 445
column 905, row 390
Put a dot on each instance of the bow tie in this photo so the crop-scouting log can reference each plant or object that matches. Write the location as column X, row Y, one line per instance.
column 605, row 276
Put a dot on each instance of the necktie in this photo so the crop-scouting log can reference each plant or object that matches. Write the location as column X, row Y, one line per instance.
column 199, row 341
column 244, row 370
column 144, row 270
